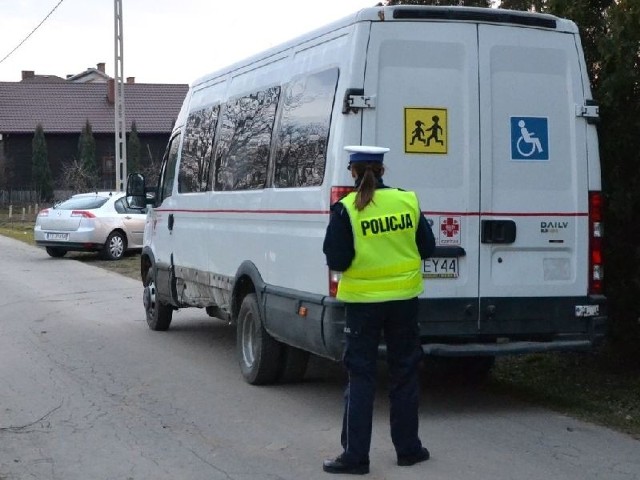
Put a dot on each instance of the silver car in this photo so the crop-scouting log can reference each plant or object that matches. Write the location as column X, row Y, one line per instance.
column 99, row 221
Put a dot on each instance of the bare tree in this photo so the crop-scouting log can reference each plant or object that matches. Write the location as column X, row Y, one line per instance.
column 76, row 177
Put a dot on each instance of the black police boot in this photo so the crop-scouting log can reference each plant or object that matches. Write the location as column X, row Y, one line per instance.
column 340, row 465
column 408, row 460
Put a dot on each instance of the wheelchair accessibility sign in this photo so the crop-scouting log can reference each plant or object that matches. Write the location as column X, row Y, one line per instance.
column 529, row 138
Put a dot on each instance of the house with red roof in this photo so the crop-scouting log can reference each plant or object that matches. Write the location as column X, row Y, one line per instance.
column 63, row 107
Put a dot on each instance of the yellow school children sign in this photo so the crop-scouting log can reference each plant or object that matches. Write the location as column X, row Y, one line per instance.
column 425, row 130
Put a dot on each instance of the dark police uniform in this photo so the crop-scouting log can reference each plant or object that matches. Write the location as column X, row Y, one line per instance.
column 375, row 306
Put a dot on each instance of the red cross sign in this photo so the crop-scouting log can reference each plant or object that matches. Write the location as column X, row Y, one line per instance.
column 450, row 230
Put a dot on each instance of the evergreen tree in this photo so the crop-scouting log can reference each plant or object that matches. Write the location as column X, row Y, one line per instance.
column 134, row 150
column 618, row 93
column 87, row 154
column 41, row 171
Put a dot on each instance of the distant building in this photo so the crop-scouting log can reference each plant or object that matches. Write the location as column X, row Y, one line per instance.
column 91, row 75
column 63, row 107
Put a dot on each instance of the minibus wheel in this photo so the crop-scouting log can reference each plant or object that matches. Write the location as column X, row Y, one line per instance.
column 258, row 352
column 158, row 313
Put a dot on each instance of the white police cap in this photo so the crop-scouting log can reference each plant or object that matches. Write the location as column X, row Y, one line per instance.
column 363, row 153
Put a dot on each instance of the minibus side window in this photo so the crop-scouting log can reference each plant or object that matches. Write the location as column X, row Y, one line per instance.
column 169, row 169
column 302, row 134
column 197, row 150
column 244, row 141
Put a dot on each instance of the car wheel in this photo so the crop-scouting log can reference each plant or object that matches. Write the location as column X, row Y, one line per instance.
column 258, row 352
column 293, row 364
column 115, row 246
column 56, row 252
column 159, row 314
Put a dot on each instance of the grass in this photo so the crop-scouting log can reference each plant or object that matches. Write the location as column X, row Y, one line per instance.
column 585, row 386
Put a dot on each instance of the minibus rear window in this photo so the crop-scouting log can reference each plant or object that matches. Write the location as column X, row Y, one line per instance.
column 302, row 134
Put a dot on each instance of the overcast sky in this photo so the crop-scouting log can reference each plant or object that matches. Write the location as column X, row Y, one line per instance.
column 79, row 34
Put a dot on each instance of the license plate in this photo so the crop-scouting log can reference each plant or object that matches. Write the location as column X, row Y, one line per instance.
column 57, row 236
column 440, row 268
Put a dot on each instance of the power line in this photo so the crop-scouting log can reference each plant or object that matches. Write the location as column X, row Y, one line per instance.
column 32, row 32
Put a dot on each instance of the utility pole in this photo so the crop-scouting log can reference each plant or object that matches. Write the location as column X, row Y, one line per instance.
column 120, row 125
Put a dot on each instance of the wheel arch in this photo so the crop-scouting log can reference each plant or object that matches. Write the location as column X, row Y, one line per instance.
column 147, row 262
column 247, row 280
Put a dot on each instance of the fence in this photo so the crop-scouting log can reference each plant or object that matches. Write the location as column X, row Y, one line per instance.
column 17, row 197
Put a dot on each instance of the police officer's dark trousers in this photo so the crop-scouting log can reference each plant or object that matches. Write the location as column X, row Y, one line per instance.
column 365, row 322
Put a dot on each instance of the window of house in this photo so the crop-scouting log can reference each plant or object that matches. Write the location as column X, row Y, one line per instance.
column 168, row 173
column 303, row 131
column 197, row 150
column 244, row 141
column 109, row 166
column 108, row 170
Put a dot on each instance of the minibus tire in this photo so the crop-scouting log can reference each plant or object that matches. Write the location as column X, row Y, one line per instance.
column 158, row 314
column 293, row 364
column 258, row 352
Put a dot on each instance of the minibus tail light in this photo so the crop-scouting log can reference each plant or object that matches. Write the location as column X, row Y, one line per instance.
column 596, row 232
column 334, row 277
column 338, row 192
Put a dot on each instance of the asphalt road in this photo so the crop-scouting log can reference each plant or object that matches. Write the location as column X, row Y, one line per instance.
column 87, row 392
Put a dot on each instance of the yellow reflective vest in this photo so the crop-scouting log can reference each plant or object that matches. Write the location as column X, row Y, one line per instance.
column 387, row 264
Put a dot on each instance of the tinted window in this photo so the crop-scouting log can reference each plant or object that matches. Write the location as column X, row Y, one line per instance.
column 122, row 205
column 169, row 169
column 303, row 131
column 82, row 203
column 244, row 140
column 196, row 150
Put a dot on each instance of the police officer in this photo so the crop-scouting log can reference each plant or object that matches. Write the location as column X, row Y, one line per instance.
column 377, row 237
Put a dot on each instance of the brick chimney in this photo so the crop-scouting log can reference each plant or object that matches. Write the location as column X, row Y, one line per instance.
column 27, row 74
column 131, row 79
column 111, row 91
column 101, row 67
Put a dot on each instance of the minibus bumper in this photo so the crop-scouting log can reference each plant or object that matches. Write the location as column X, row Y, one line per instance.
column 448, row 328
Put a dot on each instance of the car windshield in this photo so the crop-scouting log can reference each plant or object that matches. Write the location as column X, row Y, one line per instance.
column 82, row 203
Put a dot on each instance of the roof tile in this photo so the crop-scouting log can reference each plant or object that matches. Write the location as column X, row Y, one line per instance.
column 65, row 107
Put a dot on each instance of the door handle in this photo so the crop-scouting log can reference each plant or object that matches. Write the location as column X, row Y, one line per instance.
column 170, row 221
column 498, row 231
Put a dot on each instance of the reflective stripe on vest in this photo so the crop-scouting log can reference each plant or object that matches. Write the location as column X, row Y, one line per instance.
column 386, row 265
